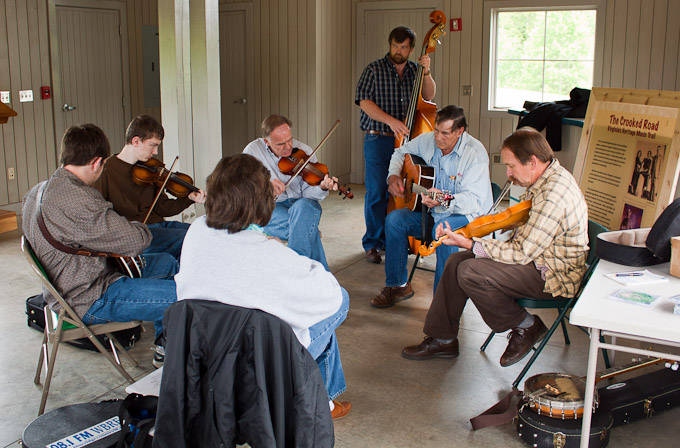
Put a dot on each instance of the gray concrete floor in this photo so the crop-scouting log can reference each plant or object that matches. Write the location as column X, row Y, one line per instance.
column 396, row 402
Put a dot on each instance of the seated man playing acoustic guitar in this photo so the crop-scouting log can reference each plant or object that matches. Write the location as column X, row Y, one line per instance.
column 77, row 216
column 461, row 167
column 544, row 258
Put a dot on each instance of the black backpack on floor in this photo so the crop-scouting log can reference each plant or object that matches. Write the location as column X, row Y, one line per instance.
column 35, row 310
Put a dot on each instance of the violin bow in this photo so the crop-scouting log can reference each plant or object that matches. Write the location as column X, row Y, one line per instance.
column 505, row 190
column 335, row 125
column 160, row 190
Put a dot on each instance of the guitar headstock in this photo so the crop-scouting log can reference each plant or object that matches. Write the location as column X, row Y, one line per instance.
column 445, row 197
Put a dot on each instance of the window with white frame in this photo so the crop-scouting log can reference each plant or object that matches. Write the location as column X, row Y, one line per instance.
column 539, row 54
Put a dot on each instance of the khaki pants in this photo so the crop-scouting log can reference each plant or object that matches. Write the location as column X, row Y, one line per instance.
column 492, row 286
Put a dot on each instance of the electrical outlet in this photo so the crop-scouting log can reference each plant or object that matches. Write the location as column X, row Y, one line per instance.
column 496, row 158
column 467, row 90
column 10, row 173
column 25, row 96
column 4, row 96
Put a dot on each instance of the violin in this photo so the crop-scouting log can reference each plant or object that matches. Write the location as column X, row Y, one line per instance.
column 298, row 163
column 509, row 218
column 312, row 173
column 153, row 172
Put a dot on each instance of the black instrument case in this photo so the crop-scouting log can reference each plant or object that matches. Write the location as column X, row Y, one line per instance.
column 641, row 397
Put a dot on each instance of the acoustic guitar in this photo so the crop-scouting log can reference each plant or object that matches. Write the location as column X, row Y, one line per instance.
column 130, row 266
column 417, row 177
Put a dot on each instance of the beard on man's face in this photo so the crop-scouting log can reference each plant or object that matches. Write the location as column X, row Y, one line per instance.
column 397, row 58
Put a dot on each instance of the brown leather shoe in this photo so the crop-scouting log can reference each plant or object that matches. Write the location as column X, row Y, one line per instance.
column 373, row 255
column 341, row 409
column 430, row 348
column 521, row 340
column 391, row 295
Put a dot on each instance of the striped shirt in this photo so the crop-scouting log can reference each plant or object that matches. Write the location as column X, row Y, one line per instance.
column 381, row 84
column 555, row 236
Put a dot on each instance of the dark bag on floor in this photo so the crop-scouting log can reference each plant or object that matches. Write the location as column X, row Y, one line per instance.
column 35, row 310
column 642, row 396
column 137, row 416
column 542, row 431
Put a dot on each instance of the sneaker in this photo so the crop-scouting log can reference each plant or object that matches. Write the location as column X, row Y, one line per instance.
column 158, row 356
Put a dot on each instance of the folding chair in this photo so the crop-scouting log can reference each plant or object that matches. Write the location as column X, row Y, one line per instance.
column 561, row 304
column 68, row 327
column 426, row 226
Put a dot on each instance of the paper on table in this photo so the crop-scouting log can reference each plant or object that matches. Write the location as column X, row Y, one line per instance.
column 642, row 277
column 149, row 385
column 634, row 297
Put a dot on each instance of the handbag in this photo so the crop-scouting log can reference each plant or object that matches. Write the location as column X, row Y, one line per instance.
column 137, row 416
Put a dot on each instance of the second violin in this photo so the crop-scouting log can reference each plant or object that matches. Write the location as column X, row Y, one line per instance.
column 153, row 172
column 312, row 173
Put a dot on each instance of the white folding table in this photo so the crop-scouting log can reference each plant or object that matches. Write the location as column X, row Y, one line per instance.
column 654, row 325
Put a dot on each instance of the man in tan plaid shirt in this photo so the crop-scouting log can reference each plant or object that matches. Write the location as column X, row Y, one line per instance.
column 544, row 258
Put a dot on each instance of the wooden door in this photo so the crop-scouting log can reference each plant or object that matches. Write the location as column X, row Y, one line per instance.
column 234, row 80
column 376, row 20
column 90, row 71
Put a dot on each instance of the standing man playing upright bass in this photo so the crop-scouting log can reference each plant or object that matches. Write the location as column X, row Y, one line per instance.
column 383, row 93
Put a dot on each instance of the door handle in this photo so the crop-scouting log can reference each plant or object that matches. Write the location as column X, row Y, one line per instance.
column 240, row 101
column 68, row 108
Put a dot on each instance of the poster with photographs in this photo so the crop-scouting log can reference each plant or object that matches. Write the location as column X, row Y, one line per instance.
column 628, row 172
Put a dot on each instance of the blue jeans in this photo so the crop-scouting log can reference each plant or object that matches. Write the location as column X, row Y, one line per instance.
column 324, row 349
column 378, row 151
column 143, row 298
column 399, row 225
column 168, row 237
column 297, row 220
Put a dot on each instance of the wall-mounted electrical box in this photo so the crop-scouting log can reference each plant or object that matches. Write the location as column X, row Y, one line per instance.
column 25, row 96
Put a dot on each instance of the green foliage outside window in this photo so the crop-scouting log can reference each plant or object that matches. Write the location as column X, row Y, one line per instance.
column 542, row 55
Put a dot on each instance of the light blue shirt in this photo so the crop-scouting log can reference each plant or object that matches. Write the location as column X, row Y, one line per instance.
column 464, row 172
column 298, row 188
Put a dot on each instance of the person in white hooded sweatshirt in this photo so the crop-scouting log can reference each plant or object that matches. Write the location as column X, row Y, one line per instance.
column 228, row 258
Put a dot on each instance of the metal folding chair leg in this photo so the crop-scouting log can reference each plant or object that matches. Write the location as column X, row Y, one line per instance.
column 488, row 339
column 539, row 349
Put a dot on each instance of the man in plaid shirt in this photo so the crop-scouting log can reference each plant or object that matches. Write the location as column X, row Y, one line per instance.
column 544, row 258
column 383, row 93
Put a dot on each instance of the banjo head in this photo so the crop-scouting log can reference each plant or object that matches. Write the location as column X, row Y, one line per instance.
column 557, row 395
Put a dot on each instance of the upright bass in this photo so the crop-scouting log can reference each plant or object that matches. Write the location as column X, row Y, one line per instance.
column 420, row 117
column 421, row 113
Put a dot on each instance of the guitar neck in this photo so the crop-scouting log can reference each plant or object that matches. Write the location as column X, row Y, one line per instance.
column 436, row 196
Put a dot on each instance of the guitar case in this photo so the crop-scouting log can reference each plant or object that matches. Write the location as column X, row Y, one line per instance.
column 541, row 431
column 641, row 397
column 35, row 312
column 642, row 247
